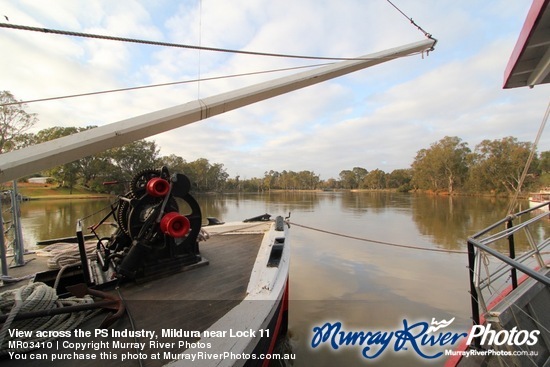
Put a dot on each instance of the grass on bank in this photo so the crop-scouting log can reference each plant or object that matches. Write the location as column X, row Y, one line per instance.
column 52, row 191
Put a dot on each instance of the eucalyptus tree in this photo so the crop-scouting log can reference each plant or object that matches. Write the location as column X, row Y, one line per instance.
column 443, row 166
column 400, row 179
column 360, row 175
column 375, row 180
column 499, row 164
column 14, row 122
column 348, row 179
column 69, row 174
column 126, row 161
column 544, row 166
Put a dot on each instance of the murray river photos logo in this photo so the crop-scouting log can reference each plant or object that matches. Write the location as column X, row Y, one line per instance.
column 427, row 340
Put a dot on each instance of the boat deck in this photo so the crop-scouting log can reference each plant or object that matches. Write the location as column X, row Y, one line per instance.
column 187, row 301
column 525, row 308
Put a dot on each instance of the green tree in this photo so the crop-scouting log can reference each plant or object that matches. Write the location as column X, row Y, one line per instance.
column 67, row 174
column 216, row 176
column 330, row 184
column 544, row 162
column 360, row 175
column 54, row 133
column 375, row 180
column 348, row 179
column 251, row 185
column 271, row 179
column 126, row 161
column 544, row 167
column 175, row 163
column 85, row 170
column 204, row 175
column 443, row 166
column 233, row 184
column 14, row 121
column 197, row 172
column 307, row 180
column 287, row 181
column 400, row 179
column 94, row 170
column 498, row 165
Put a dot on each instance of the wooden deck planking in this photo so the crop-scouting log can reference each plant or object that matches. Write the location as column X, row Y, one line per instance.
column 191, row 300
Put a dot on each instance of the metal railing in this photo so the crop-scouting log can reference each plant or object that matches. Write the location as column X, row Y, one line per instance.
column 482, row 244
column 15, row 226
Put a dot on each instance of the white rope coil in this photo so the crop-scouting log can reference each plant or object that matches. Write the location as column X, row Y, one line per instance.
column 36, row 297
column 62, row 253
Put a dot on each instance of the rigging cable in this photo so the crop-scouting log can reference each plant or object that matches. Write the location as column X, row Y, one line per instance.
column 428, row 35
column 514, row 200
column 162, row 84
column 199, row 79
column 410, row 247
column 200, row 44
column 178, row 82
column 177, row 45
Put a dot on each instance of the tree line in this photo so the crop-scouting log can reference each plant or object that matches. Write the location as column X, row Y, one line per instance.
column 449, row 165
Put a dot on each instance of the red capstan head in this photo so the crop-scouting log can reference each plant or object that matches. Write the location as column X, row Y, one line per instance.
column 157, row 187
column 175, row 225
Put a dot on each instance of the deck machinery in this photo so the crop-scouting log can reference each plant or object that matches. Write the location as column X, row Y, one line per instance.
column 153, row 238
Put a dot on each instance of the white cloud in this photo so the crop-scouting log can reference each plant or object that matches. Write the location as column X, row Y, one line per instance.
column 377, row 118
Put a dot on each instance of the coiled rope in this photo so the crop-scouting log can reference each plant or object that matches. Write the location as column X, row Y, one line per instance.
column 64, row 255
column 37, row 297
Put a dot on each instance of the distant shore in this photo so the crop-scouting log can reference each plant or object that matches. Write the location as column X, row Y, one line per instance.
column 37, row 191
column 66, row 197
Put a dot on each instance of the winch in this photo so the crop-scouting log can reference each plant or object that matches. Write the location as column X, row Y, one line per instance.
column 153, row 237
column 158, row 228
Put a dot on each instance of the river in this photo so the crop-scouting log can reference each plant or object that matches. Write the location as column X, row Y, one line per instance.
column 368, row 286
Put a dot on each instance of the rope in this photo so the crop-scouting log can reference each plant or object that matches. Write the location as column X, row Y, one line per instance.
column 410, row 247
column 130, row 318
column 162, row 84
column 199, row 53
column 486, row 262
column 45, row 30
column 62, row 254
column 107, row 207
column 177, row 45
column 35, row 297
column 428, row 35
column 236, row 230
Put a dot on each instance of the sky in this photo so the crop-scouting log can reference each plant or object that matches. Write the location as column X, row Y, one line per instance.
column 377, row 118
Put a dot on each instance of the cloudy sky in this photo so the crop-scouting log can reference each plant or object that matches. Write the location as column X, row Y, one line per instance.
column 375, row 118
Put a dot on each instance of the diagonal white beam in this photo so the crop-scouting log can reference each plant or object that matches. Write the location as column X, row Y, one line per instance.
column 541, row 70
column 26, row 161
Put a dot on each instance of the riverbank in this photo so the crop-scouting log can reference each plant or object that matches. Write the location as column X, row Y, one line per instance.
column 38, row 191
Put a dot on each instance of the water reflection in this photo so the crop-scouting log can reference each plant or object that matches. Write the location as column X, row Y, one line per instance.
column 48, row 219
column 449, row 220
column 360, row 202
column 364, row 285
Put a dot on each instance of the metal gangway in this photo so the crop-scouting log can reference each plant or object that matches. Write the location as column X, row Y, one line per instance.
column 510, row 279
